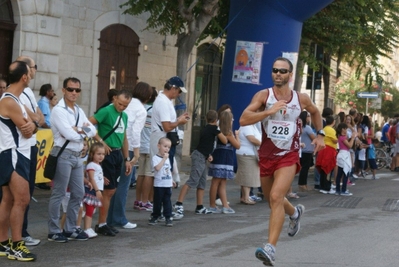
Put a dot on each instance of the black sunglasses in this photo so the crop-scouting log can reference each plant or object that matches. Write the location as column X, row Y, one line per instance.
column 34, row 67
column 282, row 71
column 77, row 90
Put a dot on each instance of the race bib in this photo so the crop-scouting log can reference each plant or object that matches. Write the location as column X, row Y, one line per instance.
column 280, row 130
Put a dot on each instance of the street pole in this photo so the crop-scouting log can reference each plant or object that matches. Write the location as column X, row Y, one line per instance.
column 367, row 105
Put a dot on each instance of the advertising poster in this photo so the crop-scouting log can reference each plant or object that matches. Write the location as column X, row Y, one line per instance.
column 247, row 62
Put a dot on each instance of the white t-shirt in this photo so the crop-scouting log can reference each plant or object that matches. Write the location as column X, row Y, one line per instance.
column 163, row 177
column 146, row 132
column 98, row 174
column 246, row 147
column 162, row 110
column 28, row 99
column 362, row 154
column 136, row 115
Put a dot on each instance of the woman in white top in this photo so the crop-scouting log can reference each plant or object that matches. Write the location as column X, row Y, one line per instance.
column 247, row 161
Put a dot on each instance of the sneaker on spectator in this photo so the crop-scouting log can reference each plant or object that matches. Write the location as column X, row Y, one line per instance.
column 113, row 229
column 265, row 255
column 77, row 234
column 324, row 191
column 30, row 241
column 59, row 238
column 218, row 202
column 129, row 225
column 203, row 211
column 215, row 210
column 21, row 253
column 176, row 216
column 331, row 192
column 355, row 176
column 179, row 209
column 295, row 224
column 153, row 221
column 5, row 248
column 346, row 194
column 228, row 210
column 104, row 230
column 333, row 186
column 90, row 233
column 136, row 205
column 146, row 206
column 255, row 198
column 168, row 222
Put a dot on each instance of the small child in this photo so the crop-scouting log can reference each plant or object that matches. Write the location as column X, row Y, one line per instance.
column 93, row 194
column 371, row 157
column 362, row 158
column 163, row 183
column 65, row 200
column 199, row 157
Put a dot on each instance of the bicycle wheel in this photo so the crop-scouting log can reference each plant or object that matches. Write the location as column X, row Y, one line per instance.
column 381, row 158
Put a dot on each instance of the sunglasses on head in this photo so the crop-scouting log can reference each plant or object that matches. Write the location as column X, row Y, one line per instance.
column 34, row 67
column 282, row 71
column 77, row 90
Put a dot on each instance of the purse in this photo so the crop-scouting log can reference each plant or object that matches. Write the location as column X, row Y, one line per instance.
column 174, row 138
column 51, row 162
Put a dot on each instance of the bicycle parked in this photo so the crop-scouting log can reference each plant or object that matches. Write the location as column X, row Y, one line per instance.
column 383, row 155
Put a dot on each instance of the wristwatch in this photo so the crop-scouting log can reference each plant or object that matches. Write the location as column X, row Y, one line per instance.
column 127, row 159
column 79, row 129
column 321, row 132
column 37, row 124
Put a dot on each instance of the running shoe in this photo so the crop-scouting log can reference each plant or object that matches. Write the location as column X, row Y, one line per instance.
column 30, row 241
column 179, row 209
column 203, row 211
column 21, row 253
column 228, row 210
column 265, row 255
column 215, row 210
column 5, row 248
column 295, row 224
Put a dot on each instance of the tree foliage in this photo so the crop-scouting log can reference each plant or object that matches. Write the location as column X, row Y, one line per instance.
column 355, row 31
column 189, row 20
column 346, row 91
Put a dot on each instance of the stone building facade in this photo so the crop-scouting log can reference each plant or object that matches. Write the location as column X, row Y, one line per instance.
column 79, row 38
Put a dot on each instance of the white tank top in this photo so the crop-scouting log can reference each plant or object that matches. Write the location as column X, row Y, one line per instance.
column 11, row 136
column 281, row 131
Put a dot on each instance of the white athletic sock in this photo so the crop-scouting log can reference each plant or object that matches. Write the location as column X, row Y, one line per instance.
column 295, row 215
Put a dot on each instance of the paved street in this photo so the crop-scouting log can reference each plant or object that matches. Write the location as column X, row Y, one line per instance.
column 336, row 231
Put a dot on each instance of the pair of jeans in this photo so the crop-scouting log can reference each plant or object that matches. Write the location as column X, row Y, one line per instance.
column 341, row 174
column 306, row 163
column 117, row 206
column 69, row 173
column 32, row 179
column 162, row 196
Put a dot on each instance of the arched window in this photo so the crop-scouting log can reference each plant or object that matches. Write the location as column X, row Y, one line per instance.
column 207, row 82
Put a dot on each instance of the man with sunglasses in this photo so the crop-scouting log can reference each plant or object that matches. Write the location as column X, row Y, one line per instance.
column 70, row 126
column 278, row 109
column 164, row 119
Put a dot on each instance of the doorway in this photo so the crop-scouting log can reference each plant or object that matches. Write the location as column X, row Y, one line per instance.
column 207, row 82
column 7, row 27
column 119, row 51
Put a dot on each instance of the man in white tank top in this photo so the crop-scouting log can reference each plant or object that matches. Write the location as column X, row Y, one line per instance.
column 15, row 129
column 278, row 109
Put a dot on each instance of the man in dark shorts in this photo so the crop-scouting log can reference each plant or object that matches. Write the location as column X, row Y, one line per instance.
column 278, row 109
column 15, row 129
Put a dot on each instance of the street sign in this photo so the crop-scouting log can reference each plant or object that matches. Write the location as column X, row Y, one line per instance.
column 367, row 95
column 376, row 103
